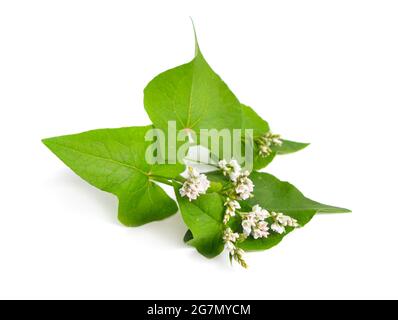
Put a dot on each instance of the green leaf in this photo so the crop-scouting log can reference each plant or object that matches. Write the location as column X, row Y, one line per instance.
column 193, row 96
column 204, row 219
column 113, row 160
column 260, row 162
column 282, row 196
column 278, row 196
column 251, row 120
column 290, row 147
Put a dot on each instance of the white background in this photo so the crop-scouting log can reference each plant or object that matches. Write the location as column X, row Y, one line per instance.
column 319, row 71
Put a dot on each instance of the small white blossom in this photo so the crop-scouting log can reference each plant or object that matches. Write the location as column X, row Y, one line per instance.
column 281, row 221
column 236, row 170
column 230, row 211
column 229, row 235
column 260, row 213
column 276, row 140
column 232, row 206
column 261, row 230
column 229, row 239
column 267, row 141
column 265, row 151
column 195, row 185
column 223, row 165
column 231, row 169
column 278, row 228
column 248, row 223
column 253, row 223
column 230, row 246
column 244, row 186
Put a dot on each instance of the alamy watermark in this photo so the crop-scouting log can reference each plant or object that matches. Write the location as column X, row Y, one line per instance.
column 174, row 144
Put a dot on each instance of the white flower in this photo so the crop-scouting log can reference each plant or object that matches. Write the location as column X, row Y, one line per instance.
column 276, row 140
column 247, row 225
column 282, row 221
column 267, row 141
column 223, row 165
column 230, row 211
column 278, row 228
column 235, row 165
column 253, row 223
column 263, row 226
column 260, row 213
column 261, row 230
column 236, row 170
column 229, row 239
column 244, row 186
column 231, row 169
column 232, row 206
column 195, row 185
column 265, row 151
column 229, row 235
column 230, row 246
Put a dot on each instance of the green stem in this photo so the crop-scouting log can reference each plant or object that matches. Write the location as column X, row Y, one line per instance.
column 167, row 181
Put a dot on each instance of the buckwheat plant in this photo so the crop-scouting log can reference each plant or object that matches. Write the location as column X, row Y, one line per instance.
column 234, row 207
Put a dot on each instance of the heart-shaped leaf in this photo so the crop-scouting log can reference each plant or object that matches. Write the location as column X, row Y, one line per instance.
column 113, row 160
column 195, row 97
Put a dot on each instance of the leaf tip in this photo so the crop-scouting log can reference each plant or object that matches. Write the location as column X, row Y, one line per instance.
column 197, row 49
column 46, row 141
column 302, row 145
column 334, row 210
column 344, row 210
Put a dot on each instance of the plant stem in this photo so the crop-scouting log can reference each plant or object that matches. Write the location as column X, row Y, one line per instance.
column 164, row 180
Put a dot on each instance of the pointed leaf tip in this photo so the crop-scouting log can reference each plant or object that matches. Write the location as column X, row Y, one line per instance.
column 197, row 49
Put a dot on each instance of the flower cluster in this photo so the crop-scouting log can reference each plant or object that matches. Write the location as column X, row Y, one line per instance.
column 230, row 238
column 258, row 223
column 195, row 185
column 253, row 223
column 267, row 141
column 231, row 207
column 231, row 169
column 281, row 221
column 243, row 186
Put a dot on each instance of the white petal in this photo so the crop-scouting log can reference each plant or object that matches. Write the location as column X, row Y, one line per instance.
column 278, row 228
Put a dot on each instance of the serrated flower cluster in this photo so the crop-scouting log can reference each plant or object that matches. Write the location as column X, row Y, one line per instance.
column 195, row 185
column 266, row 141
